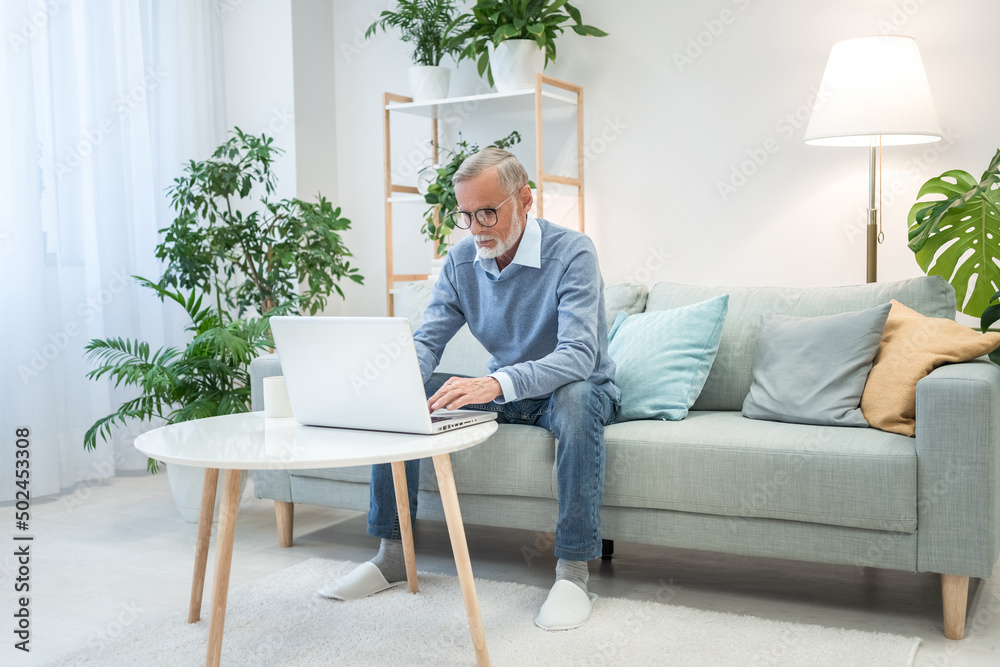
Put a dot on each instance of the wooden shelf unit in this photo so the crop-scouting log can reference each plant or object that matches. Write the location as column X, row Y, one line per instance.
column 514, row 101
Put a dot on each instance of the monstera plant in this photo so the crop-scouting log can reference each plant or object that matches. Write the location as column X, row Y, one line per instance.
column 958, row 237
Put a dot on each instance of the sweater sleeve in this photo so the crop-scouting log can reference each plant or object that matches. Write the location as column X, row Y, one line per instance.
column 578, row 295
column 443, row 317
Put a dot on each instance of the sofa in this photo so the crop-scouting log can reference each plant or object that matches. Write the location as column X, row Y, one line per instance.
column 718, row 481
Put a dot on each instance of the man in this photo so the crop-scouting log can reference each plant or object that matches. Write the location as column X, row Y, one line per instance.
column 533, row 295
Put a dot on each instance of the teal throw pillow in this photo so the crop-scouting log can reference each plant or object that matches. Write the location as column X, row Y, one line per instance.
column 662, row 358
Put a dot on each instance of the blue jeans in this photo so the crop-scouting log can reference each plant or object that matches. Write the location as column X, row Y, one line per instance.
column 576, row 414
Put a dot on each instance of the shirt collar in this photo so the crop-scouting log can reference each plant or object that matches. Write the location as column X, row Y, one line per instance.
column 529, row 251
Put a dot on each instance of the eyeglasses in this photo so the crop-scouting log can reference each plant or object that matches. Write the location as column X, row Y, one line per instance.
column 486, row 217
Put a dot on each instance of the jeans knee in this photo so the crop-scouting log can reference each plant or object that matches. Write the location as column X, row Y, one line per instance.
column 574, row 393
column 577, row 404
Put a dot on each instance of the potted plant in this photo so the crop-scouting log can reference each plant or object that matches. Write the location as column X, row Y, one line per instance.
column 514, row 40
column 232, row 246
column 957, row 237
column 441, row 191
column 434, row 30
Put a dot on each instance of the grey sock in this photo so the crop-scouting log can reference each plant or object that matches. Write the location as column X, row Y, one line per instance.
column 573, row 570
column 389, row 560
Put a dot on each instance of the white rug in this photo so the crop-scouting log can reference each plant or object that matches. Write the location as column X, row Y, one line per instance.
column 281, row 620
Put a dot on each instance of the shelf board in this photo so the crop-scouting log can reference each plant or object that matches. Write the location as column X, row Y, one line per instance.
column 506, row 101
column 405, row 198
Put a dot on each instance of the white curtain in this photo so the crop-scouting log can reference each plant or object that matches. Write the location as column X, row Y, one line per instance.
column 101, row 103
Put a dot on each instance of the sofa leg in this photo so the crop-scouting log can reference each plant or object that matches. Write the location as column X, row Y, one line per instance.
column 607, row 549
column 285, row 513
column 955, row 595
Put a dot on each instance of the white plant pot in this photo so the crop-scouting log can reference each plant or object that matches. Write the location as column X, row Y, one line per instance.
column 429, row 82
column 186, row 483
column 515, row 63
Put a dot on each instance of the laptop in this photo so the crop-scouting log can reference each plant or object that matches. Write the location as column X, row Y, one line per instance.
column 359, row 372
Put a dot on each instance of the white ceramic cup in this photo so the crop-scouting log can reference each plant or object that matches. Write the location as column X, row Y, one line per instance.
column 276, row 403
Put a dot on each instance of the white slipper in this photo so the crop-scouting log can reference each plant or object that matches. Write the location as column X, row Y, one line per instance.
column 360, row 582
column 566, row 607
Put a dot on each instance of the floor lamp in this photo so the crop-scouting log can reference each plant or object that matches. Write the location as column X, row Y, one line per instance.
column 874, row 93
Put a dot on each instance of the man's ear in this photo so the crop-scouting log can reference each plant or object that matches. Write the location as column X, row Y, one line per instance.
column 526, row 199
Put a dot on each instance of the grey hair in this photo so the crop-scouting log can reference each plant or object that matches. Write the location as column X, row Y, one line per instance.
column 510, row 172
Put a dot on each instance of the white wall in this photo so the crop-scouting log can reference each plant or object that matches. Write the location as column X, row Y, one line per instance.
column 260, row 95
column 314, row 57
column 662, row 135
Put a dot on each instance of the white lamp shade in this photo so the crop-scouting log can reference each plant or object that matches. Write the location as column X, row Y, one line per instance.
column 874, row 87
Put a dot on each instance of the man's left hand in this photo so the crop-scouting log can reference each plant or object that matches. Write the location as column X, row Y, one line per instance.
column 459, row 392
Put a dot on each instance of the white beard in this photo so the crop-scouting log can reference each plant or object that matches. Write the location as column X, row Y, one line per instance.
column 501, row 246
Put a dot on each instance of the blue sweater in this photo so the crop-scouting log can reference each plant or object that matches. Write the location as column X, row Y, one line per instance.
column 544, row 327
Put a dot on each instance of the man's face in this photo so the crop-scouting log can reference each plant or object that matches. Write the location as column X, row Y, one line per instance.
column 484, row 191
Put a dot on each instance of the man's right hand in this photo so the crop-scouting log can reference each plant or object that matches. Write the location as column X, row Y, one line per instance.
column 458, row 392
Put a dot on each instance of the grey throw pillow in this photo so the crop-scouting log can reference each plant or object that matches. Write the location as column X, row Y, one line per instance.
column 812, row 370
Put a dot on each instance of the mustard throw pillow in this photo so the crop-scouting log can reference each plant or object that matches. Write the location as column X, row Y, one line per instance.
column 912, row 346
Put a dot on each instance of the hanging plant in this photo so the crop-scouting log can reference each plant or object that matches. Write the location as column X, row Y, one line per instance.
column 958, row 237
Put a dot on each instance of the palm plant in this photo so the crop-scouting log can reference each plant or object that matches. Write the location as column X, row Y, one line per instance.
column 430, row 25
column 209, row 377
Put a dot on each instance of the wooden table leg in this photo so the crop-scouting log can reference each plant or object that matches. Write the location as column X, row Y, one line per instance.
column 204, row 536
column 460, row 549
column 223, row 561
column 403, row 510
column 955, row 595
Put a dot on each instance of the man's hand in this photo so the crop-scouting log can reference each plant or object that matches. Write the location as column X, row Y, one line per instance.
column 459, row 392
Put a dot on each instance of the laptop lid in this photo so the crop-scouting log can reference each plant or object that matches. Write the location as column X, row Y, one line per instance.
column 352, row 372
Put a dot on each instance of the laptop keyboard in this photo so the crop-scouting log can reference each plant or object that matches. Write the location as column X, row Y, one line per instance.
column 435, row 419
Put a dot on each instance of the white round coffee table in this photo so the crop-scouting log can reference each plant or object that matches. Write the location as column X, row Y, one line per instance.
column 250, row 441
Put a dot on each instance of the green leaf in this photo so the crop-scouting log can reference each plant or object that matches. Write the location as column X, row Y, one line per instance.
column 991, row 315
column 958, row 238
column 536, row 29
column 555, row 6
column 483, row 63
column 574, row 12
column 589, row 30
column 506, row 31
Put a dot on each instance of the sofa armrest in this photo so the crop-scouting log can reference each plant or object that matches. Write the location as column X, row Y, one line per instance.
column 263, row 366
column 958, row 469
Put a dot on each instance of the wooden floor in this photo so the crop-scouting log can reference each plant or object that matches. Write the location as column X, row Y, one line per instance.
column 119, row 554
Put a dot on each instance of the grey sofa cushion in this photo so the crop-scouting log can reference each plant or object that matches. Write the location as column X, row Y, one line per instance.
column 464, row 355
column 732, row 374
column 722, row 463
column 709, row 463
column 812, row 370
column 624, row 296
